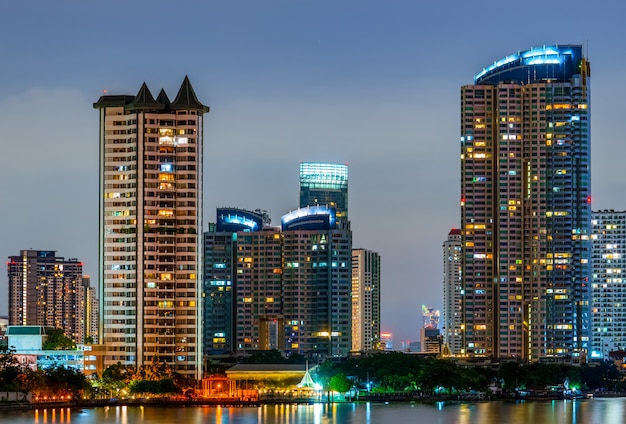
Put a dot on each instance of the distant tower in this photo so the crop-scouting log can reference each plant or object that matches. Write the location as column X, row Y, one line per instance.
column 365, row 300
column 92, row 310
column 325, row 184
column 608, row 285
column 47, row 290
column 151, row 156
column 430, row 337
column 452, row 290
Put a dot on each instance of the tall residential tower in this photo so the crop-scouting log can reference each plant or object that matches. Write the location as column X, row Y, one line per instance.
column 365, row 300
column 150, row 221
column 608, row 283
column 452, row 292
column 525, row 205
column 47, row 290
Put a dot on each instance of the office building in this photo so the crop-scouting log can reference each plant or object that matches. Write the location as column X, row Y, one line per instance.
column 47, row 290
column 608, row 283
column 526, row 206
column 325, row 184
column 151, row 156
column 365, row 300
column 452, row 289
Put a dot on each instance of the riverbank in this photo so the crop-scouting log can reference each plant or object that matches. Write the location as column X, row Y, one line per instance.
column 237, row 403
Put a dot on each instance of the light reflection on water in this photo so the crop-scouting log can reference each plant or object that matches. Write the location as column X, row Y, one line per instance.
column 536, row 412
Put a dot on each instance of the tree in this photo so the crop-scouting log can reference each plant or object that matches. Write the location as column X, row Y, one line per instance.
column 57, row 340
column 339, row 383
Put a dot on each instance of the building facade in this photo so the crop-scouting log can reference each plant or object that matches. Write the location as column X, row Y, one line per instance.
column 47, row 290
column 608, row 283
column 151, row 156
column 452, row 292
column 284, row 288
column 325, row 184
column 365, row 300
column 525, row 206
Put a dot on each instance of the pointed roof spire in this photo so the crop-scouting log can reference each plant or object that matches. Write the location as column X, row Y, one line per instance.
column 144, row 100
column 162, row 98
column 186, row 98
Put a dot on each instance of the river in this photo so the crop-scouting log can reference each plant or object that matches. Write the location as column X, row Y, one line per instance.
column 606, row 410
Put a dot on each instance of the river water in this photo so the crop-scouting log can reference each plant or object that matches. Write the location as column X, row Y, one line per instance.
column 609, row 411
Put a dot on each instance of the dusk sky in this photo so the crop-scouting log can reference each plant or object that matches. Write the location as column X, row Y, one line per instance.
column 373, row 84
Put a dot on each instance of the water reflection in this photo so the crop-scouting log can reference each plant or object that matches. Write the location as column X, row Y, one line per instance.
column 535, row 412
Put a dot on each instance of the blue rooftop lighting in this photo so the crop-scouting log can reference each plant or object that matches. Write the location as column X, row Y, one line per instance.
column 548, row 62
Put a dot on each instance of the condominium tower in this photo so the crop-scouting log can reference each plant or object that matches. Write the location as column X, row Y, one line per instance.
column 365, row 300
column 608, row 283
column 150, row 220
column 525, row 205
column 284, row 288
column 47, row 290
column 452, row 292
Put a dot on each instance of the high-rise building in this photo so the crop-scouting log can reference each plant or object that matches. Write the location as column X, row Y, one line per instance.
column 608, row 283
column 150, row 219
column 284, row 288
column 242, row 284
column 317, row 281
column 325, row 184
column 365, row 300
column 525, row 205
column 47, row 290
column 92, row 311
column 452, row 290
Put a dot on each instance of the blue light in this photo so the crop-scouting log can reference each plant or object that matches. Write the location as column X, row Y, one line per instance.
column 167, row 167
column 309, row 211
column 546, row 55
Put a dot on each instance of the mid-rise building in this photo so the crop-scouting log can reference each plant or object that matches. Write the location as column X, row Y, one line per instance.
column 608, row 283
column 151, row 156
column 525, row 205
column 452, row 292
column 365, row 300
column 325, row 184
column 47, row 290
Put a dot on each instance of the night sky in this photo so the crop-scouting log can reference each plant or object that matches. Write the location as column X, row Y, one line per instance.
column 373, row 84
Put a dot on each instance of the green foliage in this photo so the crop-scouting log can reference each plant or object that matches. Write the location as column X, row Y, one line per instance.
column 163, row 386
column 266, row 357
column 340, row 383
column 57, row 340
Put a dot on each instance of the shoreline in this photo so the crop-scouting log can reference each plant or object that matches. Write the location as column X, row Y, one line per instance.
column 236, row 403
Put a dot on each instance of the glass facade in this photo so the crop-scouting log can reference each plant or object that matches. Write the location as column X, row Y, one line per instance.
column 325, row 184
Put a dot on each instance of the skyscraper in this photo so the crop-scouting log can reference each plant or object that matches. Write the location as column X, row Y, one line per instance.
column 452, row 291
column 325, row 184
column 47, row 290
column 608, row 283
column 365, row 300
column 284, row 288
column 525, row 205
column 317, row 281
column 150, row 218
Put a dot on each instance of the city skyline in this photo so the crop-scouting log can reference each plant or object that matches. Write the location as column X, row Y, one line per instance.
column 373, row 86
